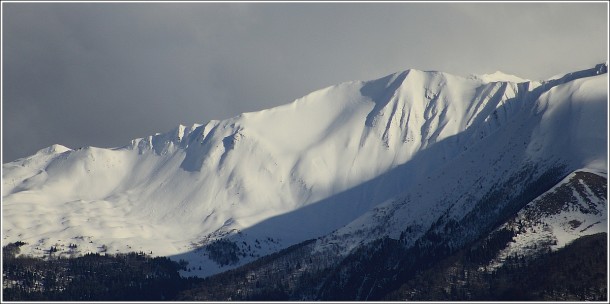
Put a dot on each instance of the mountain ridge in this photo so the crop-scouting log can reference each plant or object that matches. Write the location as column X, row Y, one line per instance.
column 373, row 141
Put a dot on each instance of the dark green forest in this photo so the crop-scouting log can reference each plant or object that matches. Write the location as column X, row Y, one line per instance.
column 576, row 272
column 92, row 277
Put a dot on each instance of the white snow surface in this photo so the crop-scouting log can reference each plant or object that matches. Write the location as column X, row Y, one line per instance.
column 500, row 76
column 331, row 163
column 554, row 230
column 561, row 123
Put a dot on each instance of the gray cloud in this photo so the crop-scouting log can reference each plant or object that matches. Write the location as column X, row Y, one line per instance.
column 101, row 74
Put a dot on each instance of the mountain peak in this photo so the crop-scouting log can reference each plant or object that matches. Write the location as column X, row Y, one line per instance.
column 499, row 76
column 54, row 149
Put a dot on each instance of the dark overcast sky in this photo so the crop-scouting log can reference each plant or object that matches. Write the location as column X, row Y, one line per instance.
column 97, row 74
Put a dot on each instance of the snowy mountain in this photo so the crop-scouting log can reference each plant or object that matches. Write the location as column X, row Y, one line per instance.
column 426, row 158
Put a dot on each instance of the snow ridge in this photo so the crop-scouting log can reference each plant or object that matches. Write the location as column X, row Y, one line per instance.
column 358, row 156
column 499, row 76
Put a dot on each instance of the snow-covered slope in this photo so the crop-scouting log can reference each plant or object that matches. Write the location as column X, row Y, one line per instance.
column 359, row 156
column 549, row 133
column 575, row 207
